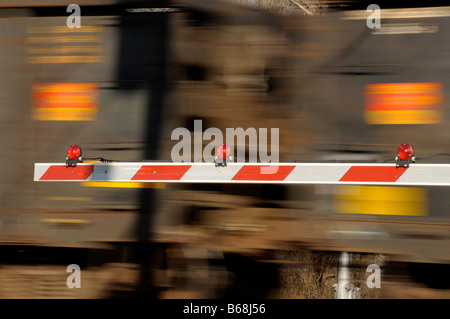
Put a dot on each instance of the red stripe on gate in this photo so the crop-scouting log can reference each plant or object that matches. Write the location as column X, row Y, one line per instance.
column 160, row 172
column 63, row 173
column 373, row 174
column 262, row 173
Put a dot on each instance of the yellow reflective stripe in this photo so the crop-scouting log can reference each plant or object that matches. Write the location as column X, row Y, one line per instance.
column 64, row 114
column 65, row 221
column 65, row 29
column 65, row 59
column 65, row 39
column 123, row 184
column 66, row 49
column 381, row 200
column 404, row 117
column 79, row 199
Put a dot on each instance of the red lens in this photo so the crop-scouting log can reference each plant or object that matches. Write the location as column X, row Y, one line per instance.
column 405, row 151
column 223, row 151
column 74, row 152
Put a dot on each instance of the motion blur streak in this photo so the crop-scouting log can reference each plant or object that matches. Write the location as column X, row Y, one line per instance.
column 413, row 13
column 404, row 103
column 64, row 29
column 405, row 28
column 65, row 101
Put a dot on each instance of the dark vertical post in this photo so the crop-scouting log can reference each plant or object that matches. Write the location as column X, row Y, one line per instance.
column 156, row 88
column 142, row 65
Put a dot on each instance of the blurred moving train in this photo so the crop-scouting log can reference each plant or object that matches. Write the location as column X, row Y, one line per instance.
column 122, row 82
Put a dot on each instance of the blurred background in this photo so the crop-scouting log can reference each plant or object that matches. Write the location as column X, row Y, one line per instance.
column 136, row 70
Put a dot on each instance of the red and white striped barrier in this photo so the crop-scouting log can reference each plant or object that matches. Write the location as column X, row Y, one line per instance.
column 285, row 173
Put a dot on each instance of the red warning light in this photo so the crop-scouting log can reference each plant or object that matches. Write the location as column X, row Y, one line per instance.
column 74, row 152
column 223, row 151
column 405, row 152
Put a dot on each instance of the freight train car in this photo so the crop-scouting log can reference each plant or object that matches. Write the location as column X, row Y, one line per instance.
column 124, row 81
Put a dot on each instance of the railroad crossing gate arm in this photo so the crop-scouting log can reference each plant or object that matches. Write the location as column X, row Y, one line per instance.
column 270, row 173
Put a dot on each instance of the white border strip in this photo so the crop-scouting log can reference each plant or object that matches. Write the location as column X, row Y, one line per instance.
column 303, row 173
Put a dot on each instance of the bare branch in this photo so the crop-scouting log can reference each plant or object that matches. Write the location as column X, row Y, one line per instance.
column 301, row 7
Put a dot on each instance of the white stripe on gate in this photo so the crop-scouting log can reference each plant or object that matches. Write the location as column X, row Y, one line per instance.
column 39, row 170
column 318, row 173
column 210, row 173
column 115, row 172
column 426, row 174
